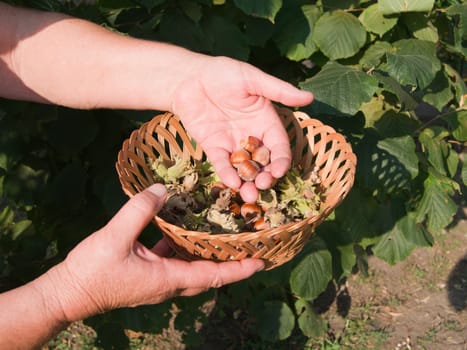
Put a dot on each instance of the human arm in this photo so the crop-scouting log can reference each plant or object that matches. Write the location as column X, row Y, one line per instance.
column 49, row 57
column 109, row 269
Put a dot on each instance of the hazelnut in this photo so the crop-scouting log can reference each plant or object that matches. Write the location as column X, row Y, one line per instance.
column 216, row 188
column 250, row 144
column 261, row 224
column 235, row 208
column 247, row 170
column 261, row 155
column 250, row 212
column 238, row 157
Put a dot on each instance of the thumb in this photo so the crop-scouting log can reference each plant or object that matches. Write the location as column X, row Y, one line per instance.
column 138, row 212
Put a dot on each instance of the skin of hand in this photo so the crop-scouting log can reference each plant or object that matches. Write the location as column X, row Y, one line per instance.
column 228, row 100
column 110, row 269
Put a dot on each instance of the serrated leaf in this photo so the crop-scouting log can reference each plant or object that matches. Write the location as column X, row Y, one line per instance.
column 340, row 89
column 275, row 321
column 374, row 54
column 436, row 204
column 398, row 6
column 413, row 62
column 294, row 31
column 312, row 275
column 374, row 21
column 396, row 245
column 457, row 121
column 435, row 147
column 261, row 8
column 310, row 323
column 339, row 34
column 403, row 149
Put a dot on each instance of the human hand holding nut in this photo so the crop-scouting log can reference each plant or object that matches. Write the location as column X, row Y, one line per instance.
column 250, row 161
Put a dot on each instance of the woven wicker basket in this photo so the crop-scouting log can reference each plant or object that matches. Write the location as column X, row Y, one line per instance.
column 312, row 144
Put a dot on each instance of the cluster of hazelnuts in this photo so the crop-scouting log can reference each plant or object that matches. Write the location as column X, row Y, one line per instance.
column 250, row 158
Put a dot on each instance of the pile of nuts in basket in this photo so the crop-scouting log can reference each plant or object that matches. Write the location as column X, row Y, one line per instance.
column 199, row 201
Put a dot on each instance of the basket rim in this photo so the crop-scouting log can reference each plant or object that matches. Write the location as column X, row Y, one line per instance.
column 303, row 120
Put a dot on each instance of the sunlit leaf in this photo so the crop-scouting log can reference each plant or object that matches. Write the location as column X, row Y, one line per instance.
column 436, row 204
column 374, row 21
column 312, row 275
column 396, row 245
column 340, row 89
column 339, row 34
column 398, row 6
column 413, row 62
column 375, row 53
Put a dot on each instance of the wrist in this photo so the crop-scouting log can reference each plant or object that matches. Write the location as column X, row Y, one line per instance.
column 63, row 298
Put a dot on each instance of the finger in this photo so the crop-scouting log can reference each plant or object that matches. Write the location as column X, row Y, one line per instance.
column 136, row 214
column 249, row 192
column 202, row 274
column 262, row 84
column 220, row 160
column 162, row 249
column 264, row 180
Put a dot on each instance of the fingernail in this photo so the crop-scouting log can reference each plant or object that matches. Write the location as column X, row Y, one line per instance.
column 159, row 190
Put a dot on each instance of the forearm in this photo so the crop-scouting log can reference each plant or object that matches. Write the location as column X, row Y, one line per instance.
column 28, row 317
column 49, row 57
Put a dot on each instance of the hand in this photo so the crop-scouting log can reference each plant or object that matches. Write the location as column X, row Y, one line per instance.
column 111, row 269
column 223, row 102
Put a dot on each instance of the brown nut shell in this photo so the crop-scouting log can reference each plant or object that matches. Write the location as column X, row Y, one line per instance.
column 238, row 157
column 248, row 170
column 250, row 143
column 261, row 155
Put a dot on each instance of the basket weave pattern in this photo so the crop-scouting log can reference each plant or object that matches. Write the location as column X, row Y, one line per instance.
column 312, row 142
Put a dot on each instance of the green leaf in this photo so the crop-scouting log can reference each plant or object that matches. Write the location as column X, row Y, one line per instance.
column 421, row 27
column 435, row 147
column 374, row 54
column 458, row 14
column 464, row 172
column 311, row 324
column 340, row 89
column 275, row 321
column 403, row 149
column 261, row 8
column 225, row 38
column 312, row 275
column 258, row 31
column 294, row 31
column 396, row 245
column 348, row 259
column 439, row 93
column 339, row 34
column 374, row 21
column 398, row 6
column 436, row 204
column 192, row 10
column 407, row 102
column 457, row 121
column 413, row 62
column 20, row 227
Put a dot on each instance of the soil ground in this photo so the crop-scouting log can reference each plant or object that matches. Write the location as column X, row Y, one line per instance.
column 420, row 303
